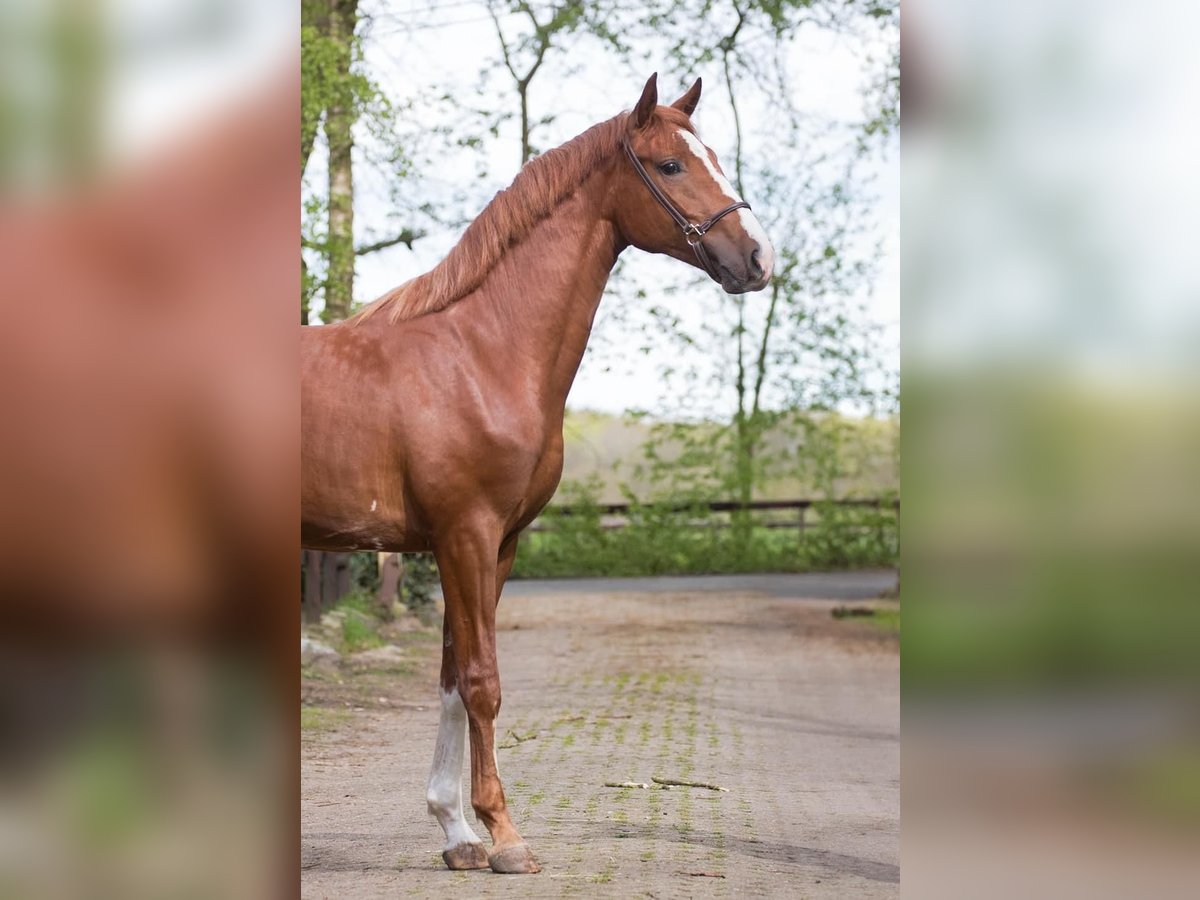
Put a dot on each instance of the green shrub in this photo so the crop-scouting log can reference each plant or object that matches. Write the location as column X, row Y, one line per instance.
column 659, row 540
column 359, row 630
column 420, row 580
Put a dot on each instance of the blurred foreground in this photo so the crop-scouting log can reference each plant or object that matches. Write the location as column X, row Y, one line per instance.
column 147, row 469
column 1052, row 432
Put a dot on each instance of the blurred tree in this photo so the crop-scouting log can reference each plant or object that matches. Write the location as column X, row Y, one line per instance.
column 336, row 94
column 329, row 95
column 340, row 20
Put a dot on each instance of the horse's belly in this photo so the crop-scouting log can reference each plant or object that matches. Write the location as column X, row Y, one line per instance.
column 345, row 536
column 339, row 510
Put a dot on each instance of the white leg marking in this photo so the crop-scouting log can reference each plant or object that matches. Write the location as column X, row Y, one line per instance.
column 444, row 794
column 749, row 222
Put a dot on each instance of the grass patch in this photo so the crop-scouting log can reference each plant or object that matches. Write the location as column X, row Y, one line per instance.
column 886, row 618
column 319, row 719
column 359, row 632
column 1167, row 787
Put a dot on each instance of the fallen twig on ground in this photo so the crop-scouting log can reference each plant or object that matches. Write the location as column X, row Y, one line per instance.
column 700, row 874
column 846, row 612
column 627, row 784
column 673, row 782
column 517, row 739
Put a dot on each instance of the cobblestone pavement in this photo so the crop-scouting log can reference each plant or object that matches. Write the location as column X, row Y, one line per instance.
column 796, row 714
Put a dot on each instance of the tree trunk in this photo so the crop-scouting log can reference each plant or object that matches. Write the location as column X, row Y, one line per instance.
column 339, row 125
column 744, row 445
column 304, row 291
column 329, row 574
column 342, row 582
column 311, row 604
column 391, row 576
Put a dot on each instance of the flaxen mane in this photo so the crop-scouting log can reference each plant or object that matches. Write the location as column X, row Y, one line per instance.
column 538, row 189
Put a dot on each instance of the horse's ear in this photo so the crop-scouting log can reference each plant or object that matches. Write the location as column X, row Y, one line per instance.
column 645, row 105
column 687, row 103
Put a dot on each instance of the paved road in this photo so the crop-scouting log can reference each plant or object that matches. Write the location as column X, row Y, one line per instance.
column 859, row 585
column 795, row 713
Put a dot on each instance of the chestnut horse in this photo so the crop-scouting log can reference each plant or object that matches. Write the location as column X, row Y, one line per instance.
column 433, row 419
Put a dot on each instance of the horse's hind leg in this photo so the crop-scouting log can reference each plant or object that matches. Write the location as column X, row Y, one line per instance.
column 467, row 559
column 463, row 850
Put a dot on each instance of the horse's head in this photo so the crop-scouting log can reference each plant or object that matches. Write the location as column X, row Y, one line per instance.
column 673, row 198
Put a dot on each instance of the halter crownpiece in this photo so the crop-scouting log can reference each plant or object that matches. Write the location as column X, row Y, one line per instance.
column 693, row 233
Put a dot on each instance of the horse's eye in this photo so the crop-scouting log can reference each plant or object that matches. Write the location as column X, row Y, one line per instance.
column 670, row 167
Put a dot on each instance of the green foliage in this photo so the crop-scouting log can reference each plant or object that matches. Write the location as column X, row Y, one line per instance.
column 684, row 465
column 416, row 587
column 420, row 580
column 360, row 621
column 660, row 539
column 332, row 74
column 359, row 630
column 364, row 574
column 358, row 601
column 317, row 719
column 853, row 536
column 339, row 95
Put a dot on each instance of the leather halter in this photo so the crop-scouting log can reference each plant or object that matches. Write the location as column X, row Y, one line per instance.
column 692, row 233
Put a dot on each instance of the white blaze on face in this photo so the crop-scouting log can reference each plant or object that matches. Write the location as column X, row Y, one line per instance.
column 444, row 793
column 749, row 222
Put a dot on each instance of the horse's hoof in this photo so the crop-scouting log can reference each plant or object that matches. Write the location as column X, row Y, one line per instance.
column 517, row 860
column 465, row 856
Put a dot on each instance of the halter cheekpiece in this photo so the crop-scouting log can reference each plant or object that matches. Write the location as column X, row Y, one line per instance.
column 693, row 232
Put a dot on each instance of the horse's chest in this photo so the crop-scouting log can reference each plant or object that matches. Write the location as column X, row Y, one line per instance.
column 543, row 480
column 547, row 473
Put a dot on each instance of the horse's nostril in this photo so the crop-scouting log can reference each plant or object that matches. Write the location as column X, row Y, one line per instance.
column 756, row 268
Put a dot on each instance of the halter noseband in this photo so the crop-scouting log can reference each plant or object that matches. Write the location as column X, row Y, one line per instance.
column 692, row 233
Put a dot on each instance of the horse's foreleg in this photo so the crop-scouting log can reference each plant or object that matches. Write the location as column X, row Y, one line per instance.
column 504, row 564
column 463, row 850
column 468, row 561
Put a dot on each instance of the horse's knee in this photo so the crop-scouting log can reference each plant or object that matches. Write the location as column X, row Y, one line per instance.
column 480, row 690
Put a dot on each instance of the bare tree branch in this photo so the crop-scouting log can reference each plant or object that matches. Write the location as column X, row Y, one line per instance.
column 406, row 237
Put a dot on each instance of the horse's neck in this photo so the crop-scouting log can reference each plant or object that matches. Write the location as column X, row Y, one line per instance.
column 539, row 302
